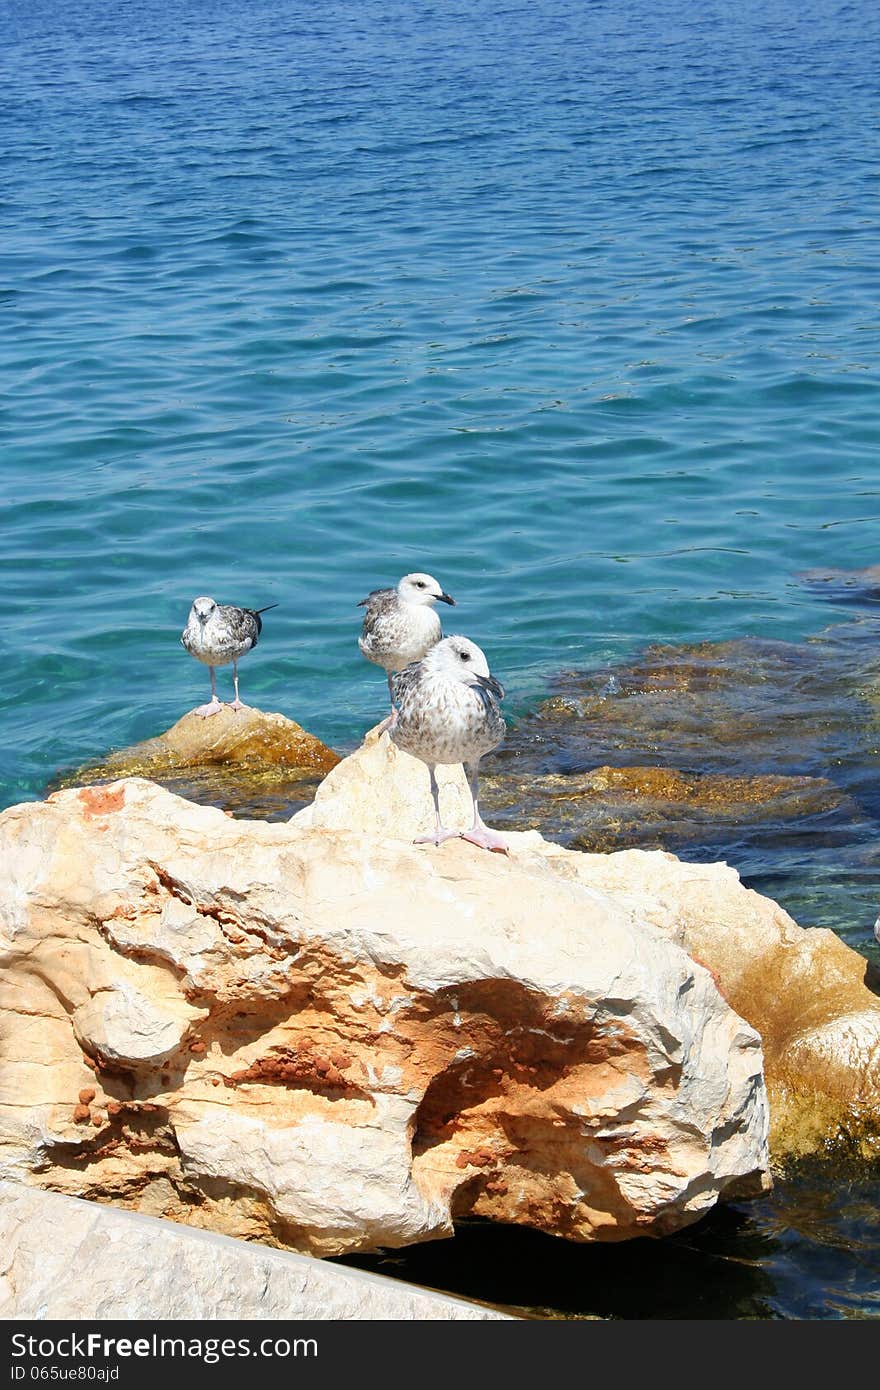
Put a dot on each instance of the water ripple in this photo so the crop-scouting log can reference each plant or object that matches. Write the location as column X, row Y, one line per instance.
column 573, row 306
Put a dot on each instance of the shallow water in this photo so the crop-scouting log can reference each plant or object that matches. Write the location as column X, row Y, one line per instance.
column 809, row 1250
column 573, row 306
column 776, row 744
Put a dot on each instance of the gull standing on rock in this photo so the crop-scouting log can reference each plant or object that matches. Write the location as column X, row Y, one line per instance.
column 400, row 624
column 449, row 712
column 217, row 633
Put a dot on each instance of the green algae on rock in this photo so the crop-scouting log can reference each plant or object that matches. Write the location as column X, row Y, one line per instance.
column 738, row 707
column 248, row 761
column 612, row 807
column 759, row 752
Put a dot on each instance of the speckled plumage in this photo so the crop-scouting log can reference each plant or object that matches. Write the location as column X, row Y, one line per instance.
column 400, row 624
column 448, row 711
column 444, row 721
column 227, row 634
column 217, row 633
column 395, row 633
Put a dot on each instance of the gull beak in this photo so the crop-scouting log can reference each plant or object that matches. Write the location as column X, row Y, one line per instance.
column 491, row 684
column 446, row 598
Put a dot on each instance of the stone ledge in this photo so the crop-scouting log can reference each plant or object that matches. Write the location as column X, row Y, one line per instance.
column 66, row 1258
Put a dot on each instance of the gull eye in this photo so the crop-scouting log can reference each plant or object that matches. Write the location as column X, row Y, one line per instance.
column 419, row 584
column 465, row 656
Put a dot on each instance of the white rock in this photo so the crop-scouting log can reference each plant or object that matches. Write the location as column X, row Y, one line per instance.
column 71, row 1260
column 372, row 1039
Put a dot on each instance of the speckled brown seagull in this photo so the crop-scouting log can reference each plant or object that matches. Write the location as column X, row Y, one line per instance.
column 400, row 624
column 449, row 712
column 217, row 633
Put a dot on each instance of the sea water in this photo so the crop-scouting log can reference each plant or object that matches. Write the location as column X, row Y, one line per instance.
column 573, row 305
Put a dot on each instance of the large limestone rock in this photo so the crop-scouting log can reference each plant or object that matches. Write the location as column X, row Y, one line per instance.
column 812, row 999
column 808, row 994
column 72, row 1260
column 330, row 1039
column 382, row 791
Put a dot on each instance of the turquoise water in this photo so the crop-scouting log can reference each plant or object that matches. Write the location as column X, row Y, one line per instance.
column 573, row 305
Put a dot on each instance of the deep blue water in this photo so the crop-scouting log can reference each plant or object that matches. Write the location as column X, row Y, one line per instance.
column 574, row 305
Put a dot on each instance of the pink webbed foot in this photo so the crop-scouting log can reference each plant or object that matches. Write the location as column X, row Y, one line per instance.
column 436, row 838
column 485, row 838
column 237, row 704
column 207, row 710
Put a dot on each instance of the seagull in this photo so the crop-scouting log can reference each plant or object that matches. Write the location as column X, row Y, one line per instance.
column 449, row 712
column 400, row 625
column 217, row 633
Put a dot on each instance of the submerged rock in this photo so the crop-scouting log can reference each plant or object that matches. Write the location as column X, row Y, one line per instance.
column 736, row 708
column 246, row 761
column 653, row 806
column 763, row 753
column 321, row 1036
column 860, row 586
column 705, row 791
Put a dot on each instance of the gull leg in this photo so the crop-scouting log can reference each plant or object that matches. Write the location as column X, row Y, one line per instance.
column 480, row 834
column 215, row 706
column 390, row 720
column 236, row 703
column 439, row 834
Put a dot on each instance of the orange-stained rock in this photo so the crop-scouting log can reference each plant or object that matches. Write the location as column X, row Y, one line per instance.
column 808, row 994
column 101, row 801
column 404, row 1036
